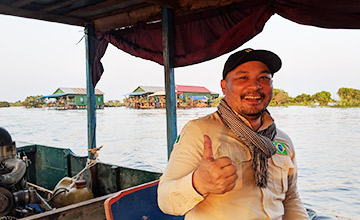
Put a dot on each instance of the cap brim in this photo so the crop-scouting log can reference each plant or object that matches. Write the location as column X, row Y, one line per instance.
column 270, row 59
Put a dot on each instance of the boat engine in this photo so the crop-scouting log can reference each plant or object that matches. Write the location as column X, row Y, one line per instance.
column 15, row 194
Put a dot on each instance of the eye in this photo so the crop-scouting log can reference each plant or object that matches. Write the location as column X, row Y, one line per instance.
column 264, row 78
column 241, row 77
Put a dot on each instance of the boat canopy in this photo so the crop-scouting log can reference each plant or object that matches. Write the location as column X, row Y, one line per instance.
column 203, row 29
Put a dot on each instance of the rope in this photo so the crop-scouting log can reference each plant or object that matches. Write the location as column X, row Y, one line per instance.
column 90, row 162
column 94, row 151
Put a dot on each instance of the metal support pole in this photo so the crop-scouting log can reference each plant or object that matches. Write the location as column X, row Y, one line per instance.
column 90, row 89
column 168, row 54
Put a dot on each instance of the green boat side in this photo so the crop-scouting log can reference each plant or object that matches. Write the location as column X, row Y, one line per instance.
column 50, row 164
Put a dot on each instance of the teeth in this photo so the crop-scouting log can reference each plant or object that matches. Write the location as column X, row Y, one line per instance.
column 252, row 97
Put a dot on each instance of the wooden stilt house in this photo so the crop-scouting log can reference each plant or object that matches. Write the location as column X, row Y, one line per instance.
column 154, row 96
column 74, row 98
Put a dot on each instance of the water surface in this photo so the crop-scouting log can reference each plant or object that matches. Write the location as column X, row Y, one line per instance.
column 327, row 143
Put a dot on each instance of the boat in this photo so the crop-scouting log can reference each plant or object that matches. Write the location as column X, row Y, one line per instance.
column 155, row 30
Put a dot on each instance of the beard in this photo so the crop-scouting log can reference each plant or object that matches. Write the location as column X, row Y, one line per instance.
column 253, row 112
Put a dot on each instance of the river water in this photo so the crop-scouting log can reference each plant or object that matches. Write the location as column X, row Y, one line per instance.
column 327, row 143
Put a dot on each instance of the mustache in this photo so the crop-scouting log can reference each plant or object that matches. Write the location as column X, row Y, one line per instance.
column 262, row 95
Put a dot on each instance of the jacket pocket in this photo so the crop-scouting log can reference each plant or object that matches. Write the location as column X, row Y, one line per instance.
column 239, row 155
column 278, row 173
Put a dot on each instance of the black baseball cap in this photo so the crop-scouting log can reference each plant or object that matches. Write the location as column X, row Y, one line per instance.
column 270, row 59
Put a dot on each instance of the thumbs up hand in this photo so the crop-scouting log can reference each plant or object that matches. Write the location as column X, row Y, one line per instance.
column 216, row 176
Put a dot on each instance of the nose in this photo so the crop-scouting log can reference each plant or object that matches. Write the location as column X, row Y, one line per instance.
column 254, row 84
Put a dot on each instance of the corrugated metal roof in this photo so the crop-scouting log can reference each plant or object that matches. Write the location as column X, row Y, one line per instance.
column 79, row 91
column 199, row 89
column 158, row 93
column 151, row 89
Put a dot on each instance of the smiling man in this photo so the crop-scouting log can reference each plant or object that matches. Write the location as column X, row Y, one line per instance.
column 235, row 163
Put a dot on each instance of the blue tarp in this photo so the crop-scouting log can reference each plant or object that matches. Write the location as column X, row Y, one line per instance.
column 199, row 98
column 135, row 93
column 51, row 96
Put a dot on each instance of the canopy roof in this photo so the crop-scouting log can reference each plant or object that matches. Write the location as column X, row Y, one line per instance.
column 136, row 93
column 203, row 29
column 111, row 14
column 52, row 96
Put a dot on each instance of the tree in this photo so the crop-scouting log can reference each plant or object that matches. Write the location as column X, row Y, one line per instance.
column 4, row 104
column 113, row 103
column 34, row 102
column 349, row 97
column 323, row 98
column 280, row 97
column 216, row 102
column 303, row 99
column 17, row 103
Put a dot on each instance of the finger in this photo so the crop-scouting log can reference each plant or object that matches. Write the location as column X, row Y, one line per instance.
column 223, row 161
column 230, row 187
column 207, row 154
column 232, row 179
column 229, row 170
column 229, row 180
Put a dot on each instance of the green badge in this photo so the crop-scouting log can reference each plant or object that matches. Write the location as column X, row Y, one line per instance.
column 177, row 139
column 280, row 148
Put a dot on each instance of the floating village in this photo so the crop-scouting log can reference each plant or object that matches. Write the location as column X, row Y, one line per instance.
column 143, row 97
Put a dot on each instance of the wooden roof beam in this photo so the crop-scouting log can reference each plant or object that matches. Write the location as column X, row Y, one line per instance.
column 58, row 5
column 198, row 5
column 20, row 3
column 165, row 3
column 120, row 11
column 105, row 5
column 7, row 10
column 132, row 16
column 150, row 13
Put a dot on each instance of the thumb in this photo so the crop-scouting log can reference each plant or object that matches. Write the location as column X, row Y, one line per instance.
column 207, row 154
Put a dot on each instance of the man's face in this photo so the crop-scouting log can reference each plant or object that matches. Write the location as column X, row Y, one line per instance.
column 248, row 89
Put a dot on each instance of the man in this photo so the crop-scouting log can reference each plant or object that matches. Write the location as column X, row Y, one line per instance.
column 235, row 163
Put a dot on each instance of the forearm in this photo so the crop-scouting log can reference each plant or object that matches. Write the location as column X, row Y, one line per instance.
column 176, row 194
column 177, row 197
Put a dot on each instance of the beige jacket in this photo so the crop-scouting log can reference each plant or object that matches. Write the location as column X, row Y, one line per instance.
column 176, row 195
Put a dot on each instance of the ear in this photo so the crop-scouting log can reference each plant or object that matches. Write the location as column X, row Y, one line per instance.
column 223, row 86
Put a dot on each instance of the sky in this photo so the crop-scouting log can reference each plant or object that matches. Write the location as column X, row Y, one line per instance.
column 37, row 57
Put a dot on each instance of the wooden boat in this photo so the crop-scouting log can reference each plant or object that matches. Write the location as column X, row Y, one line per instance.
column 50, row 164
column 141, row 27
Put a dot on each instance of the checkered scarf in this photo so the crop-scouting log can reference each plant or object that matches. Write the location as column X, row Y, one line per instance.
column 260, row 144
